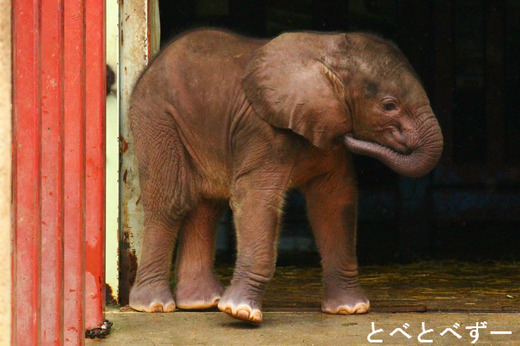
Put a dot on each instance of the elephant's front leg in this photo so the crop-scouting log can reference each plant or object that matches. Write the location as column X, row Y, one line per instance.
column 332, row 211
column 256, row 203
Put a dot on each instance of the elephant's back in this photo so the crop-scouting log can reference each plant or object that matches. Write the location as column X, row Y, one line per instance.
column 201, row 60
column 215, row 43
column 199, row 72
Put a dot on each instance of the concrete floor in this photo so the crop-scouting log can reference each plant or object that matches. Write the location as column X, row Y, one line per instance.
column 294, row 328
column 455, row 295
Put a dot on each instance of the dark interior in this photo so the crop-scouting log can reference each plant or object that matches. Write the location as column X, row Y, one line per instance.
column 467, row 54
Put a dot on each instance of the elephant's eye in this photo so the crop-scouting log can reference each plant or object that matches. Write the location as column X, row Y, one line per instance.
column 389, row 106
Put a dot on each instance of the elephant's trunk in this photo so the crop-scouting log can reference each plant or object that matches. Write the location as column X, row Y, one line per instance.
column 421, row 160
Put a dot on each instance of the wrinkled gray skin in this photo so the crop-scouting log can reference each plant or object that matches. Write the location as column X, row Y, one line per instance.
column 220, row 117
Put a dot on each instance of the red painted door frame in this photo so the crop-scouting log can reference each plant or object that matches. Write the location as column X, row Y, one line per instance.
column 58, row 170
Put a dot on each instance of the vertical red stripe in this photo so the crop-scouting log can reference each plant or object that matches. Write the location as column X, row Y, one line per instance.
column 95, row 164
column 51, row 204
column 26, row 172
column 53, row 167
column 74, row 178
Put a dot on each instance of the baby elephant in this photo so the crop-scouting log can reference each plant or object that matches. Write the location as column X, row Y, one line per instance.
column 220, row 117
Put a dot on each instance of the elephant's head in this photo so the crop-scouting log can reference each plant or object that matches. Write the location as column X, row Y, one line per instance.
column 352, row 88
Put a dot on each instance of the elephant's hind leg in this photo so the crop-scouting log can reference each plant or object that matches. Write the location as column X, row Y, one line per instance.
column 166, row 199
column 151, row 291
column 197, row 285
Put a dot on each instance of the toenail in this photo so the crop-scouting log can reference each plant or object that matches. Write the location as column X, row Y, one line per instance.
column 157, row 308
column 243, row 314
column 257, row 317
column 362, row 308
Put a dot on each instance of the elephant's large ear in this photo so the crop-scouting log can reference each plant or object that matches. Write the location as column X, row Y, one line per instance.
column 290, row 85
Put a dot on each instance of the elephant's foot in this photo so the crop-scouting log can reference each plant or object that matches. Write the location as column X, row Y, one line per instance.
column 152, row 297
column 198, row 293
column 242, row 303
column 347, row 301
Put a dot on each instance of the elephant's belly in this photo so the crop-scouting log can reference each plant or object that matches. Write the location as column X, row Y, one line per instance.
column 214, row 178
column 215, row 187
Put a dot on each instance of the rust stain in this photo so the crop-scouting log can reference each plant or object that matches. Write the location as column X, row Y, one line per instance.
column 123, row 145
column 125, row 174
column 127, row 258
column 128, row 269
